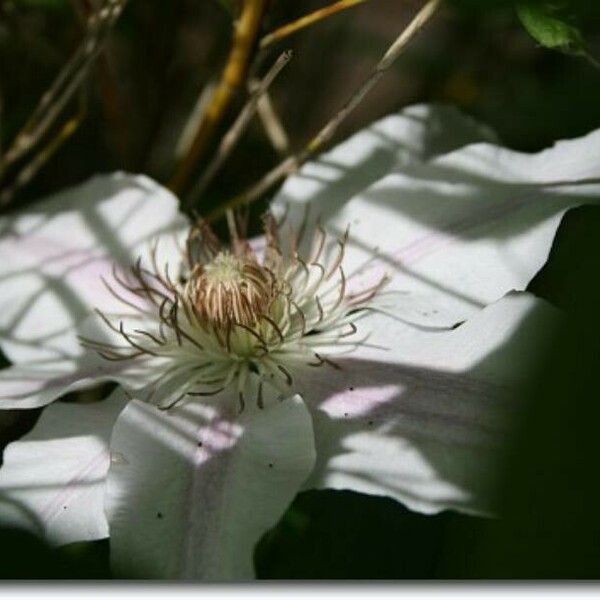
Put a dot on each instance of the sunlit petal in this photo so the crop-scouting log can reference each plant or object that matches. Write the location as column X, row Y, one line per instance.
column 55, row 474
column 457, row 232
column 191, row 490
column 417, row 133
column 427, row 421
column 53, row 260
column 54, row 255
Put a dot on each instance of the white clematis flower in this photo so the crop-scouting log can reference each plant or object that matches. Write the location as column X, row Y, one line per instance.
column 256, row 373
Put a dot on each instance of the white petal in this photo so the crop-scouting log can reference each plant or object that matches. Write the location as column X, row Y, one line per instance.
column 52, row 261
column 459, row 232
column 39, row 383
column 178, row 509
column 56, row 472
column 427, row 422
column 53, row 256
column 418, row 132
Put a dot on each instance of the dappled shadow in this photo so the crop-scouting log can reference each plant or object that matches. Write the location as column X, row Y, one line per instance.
column 57, row 471
column 397, row 265
column 444, row 417
column 13, row 512
column 201, row 480
column 454, row 234
column 456, row 422
column 459, row 425
column 47, row 272
column 451, row 200
column 469, row 206
column 421, row 134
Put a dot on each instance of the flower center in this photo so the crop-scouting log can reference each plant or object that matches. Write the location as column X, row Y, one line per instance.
column 230, row 290
column 235, row 318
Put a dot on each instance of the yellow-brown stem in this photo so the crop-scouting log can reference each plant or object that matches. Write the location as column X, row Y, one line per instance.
column 307, row 20
column 244, row 38
column 293, row 163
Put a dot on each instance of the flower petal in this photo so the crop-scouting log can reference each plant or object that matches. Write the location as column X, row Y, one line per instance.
column 39, row 383
column 56, row 472
column 53, row 259
column 191, row 490
column 459, row 232
column 418, row 132
column 426, row 423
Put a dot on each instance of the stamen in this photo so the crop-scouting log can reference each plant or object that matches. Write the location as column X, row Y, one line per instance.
column 287, row 374
column 318, row 248
column 275, row 327
column 340, row 257
column 259, row 398
column 132, row 342
column 152, row 337
column 232, row 319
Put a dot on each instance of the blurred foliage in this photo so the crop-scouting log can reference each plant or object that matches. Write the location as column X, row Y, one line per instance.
column 551, row 525
column 551, row 31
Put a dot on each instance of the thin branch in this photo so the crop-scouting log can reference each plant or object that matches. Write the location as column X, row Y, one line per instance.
column 238, row 128
column 28, row 172
column 244, row 39
column 293, row 163
column 307, row 20
column 188, row 131
column 107, row 86
column 270, row 121
column 388, row 59
column 66, row 83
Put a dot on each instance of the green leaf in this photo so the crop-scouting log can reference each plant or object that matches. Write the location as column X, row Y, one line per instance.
column 549, row 29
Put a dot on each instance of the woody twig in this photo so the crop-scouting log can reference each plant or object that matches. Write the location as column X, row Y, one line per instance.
column 246, row 31
column 28, row 172
column 307, row 20
column 239, row 126
column 65, row 85
column 293, row 163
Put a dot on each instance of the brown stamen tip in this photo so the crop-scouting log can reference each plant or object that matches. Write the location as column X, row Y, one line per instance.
column 231, row 290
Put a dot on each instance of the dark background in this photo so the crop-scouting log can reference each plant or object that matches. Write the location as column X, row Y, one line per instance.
column 475, row 55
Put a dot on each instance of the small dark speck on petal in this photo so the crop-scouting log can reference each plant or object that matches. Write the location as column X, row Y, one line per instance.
column 345, row 414
column 64, row 508
column 199, row 444
column 351, row 388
